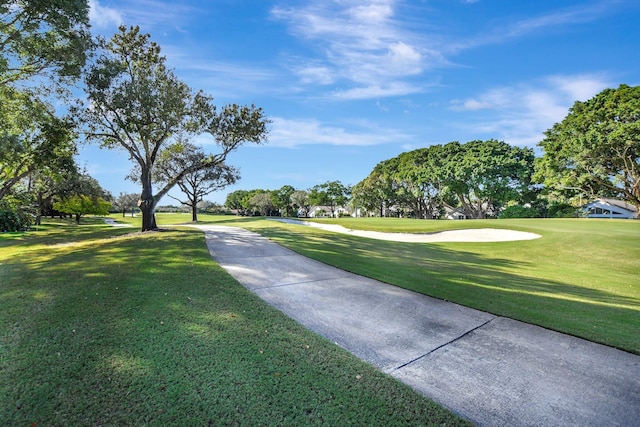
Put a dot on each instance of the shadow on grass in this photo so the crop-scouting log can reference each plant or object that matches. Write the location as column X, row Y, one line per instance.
column 61, row 232
column 148, row 330
column 487, row 283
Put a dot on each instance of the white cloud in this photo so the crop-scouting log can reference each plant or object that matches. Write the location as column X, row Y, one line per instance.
column 471, row 104
column 362, row 45
column 579, row 88
column 379, row 12
column 316, row 74
column 148, row 14
column 102, row 16
column 560, row 18
column 403, row 59
column 377, row 91
column 292, row 133
column 521, row 113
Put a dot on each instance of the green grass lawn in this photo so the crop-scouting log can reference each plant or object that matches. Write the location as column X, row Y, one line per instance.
column 582, row 277
column 104, row 328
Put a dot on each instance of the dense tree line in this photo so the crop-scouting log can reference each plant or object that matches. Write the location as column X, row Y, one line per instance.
column 475, row 179
column 288, row 201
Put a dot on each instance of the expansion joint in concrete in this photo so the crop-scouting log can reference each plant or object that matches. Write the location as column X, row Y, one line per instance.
column 443, row 345
column 283, row 285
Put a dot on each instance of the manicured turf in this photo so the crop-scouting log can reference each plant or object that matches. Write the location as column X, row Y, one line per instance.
column 103, row 328
column 582, row 277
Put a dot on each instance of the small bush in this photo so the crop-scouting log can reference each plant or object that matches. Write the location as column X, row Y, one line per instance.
column 518, row 211
column 561, row 210
column 14, row 218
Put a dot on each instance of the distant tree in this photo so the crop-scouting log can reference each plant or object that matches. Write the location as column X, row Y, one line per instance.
column 247, row 204
column 519, row 211
column 126, row 201
column 418, row 178
column 210, row 207
column 262, row 202
column 331, row 194
column 562, row 210
column 80, row 194
column 377, row 192
column 234, row 201
column 478, row 177
column 45, row 184
column 595, row 150
column 197, row 184
column 137, row 104
column 282, row 199
column 484, row 175
column 318, row 196
column 300, row 202
column 81, row 204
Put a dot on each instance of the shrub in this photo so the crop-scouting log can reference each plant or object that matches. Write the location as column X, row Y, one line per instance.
column 561, row 210
column 13, row 217
column 517, row 211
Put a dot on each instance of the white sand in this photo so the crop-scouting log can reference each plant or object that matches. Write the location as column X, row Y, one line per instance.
column 469, row 235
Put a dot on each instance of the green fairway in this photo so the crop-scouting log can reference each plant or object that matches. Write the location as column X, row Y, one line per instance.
column 582, row 277
column 105, row 328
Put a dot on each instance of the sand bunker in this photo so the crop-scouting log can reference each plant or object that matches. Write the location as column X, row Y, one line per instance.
column 469, row 235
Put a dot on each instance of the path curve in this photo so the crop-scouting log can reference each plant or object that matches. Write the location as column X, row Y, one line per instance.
column 466, row 235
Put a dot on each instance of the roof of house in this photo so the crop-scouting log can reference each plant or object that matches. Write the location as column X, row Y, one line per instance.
column 615, row 202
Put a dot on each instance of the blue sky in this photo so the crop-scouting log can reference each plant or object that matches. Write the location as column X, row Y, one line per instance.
column 348, row 83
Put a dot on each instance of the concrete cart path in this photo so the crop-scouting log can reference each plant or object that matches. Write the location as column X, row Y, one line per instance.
column 489, row 369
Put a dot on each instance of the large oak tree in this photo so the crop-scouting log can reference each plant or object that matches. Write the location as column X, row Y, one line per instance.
column 595, row 150
column 139, row 105
column 484, row 175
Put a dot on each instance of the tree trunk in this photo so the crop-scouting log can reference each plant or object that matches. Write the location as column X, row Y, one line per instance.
column 147, row 203
column 39, row 209
column 147, row 207
column 194, row 213
column 148, row 215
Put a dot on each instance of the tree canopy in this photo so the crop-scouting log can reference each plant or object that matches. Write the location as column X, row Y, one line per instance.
column 331, row 194
column 32, row 138
column 376, row 193
column 44, row 38
column 137, row 104
column 80, row 195
column 476, row 178
column 595, row 150
column 44, row 46
column 484, row 175
column 281, row 199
